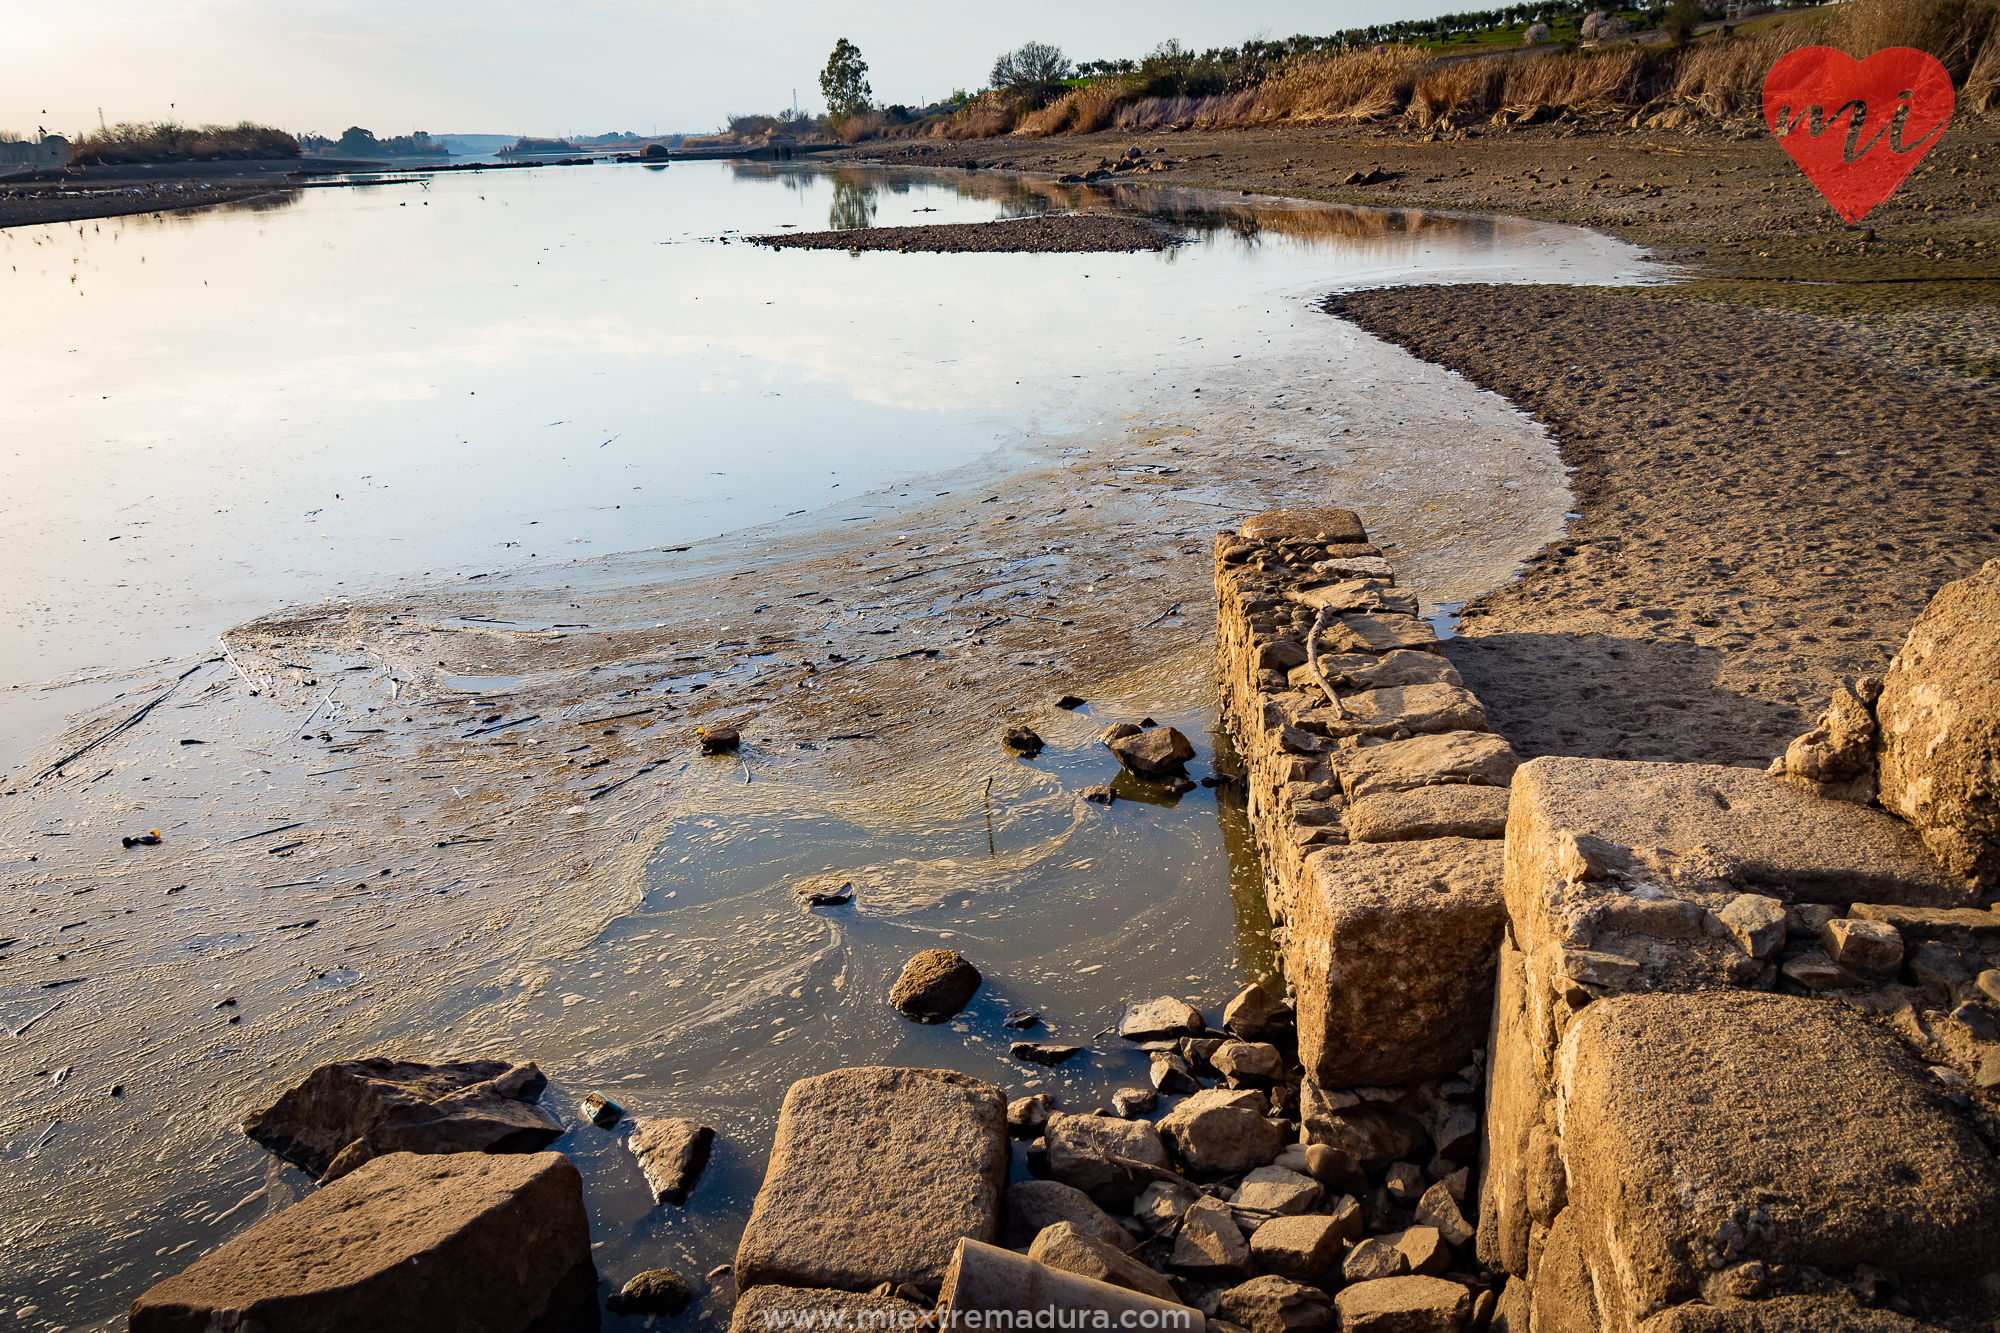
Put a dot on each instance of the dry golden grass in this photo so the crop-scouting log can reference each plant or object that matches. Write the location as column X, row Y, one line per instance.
column 1717, row 77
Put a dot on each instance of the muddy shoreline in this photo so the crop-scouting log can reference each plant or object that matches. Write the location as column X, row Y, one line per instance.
column 455, row 853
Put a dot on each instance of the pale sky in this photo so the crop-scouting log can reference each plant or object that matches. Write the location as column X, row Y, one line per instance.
column 447, row 66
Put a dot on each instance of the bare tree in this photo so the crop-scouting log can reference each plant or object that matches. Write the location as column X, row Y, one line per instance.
column 1035, row 67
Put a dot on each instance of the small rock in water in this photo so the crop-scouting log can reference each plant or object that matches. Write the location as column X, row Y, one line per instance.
column 934, row 986
column 1023, row 739
column 1099, row 794
column 1027, row 1115
column 602, row 1111
column 1171, row 1074
column 1118, row 731
column 1157, row 753
column 1070, row 702
column 717, row 740
column 1022, row 1019
column 1041, row 1053
column 1131, row 1103
column 1254, row 1016
column 1179, row 784
column 672, row 1155
column 655, row 1291
column 1164, row 1017
column 839, row 897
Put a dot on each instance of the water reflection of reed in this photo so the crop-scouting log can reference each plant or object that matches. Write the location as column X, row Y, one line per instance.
column 1203, row 213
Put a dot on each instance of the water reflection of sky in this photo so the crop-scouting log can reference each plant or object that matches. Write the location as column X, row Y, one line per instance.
column 220, row 412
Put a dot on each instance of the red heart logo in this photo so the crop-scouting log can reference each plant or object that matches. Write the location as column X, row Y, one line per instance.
column 1857, row 127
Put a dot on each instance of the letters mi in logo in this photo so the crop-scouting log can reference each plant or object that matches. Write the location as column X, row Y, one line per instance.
column 1857, row 127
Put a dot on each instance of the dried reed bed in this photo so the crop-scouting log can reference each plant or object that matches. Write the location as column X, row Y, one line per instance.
column 1715, row 78
column 129, row 142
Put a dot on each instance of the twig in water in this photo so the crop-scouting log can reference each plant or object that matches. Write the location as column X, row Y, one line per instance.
column 607, row 790
column 297, row 823
column 1173, row 610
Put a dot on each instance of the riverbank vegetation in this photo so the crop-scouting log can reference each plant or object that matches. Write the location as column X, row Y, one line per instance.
column 166, row 142
column 1424, row 83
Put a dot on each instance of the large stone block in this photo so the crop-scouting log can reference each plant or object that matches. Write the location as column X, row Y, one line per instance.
column 1474, row 758
column 1428, row 812
column 762, row 1309
column 405, row 1241
column 1390, row 949
column 1940, row 720
column 1817, row 1138
column 875, row 1176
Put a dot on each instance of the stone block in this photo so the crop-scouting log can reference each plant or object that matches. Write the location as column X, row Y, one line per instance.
column 1161, row 1019
column 1357, row 595
column 1467, row 758
column 1962, row 926
column 1428, row 812
column 1403, row 1305
column 1272, row 1189
column 1873, row 947
column 1757, row 923
column 1940, row 719
column 933, row 1141
column 1210, row 1246
column 1302, row 1248
column 1380, row 632
column 404, row 1241
column 1390, row 949
column 1823, row 1143
column 1111, row 1160
column 1410, row 709
column 672, row 1155
column 1219, row 1139
column 1273, row 1304
column 1067, row 1246
column 1337, row 527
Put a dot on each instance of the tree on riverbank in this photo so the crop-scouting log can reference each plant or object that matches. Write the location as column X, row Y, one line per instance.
column 844, row 81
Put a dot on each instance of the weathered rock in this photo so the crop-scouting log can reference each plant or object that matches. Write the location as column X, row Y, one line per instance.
column 1273, row 1304
column 1220, row 1140
column 1302, row 1248
column 984, row 1280
column 1428, row 812
column 1118, row 731
column 1940, row 719
column 1210, row 1246
column 1281, row 655
column 1021, row 1019
column 449, row 1240
column 1171, row 1075
column 1873, row 947
column 1332, row 1167
column 1254, row 1015
column 1042, row 1053
column 1161, row 1204
column 1815, row 971
column 1784, row 1314
column 1399, row 666
column 1952, row 925
column 1111, row 1160
column 1360, row 594
column 762, row 1309
column 399, row 1106
column 601, row 1111
column 1373, row 1260
column 1423, row 1249
column 718, row 740
column 1371, row 1136
column 935, row 984
column 657, row 1291
column 1330, row 527
column 1836, row 759
column 1472, row 758
column 1404, row 1305
column 672, row 1154
column 1272, row 1189
column 1390, row 947
column 1438, row 1208
column 1380, row 632
column 1155, row 752
column 1027, row 1115
column 934, row 1140
column 1024, row 739
column 1031, row 1206
column 1824, row 1140
column 1131, row 1103
column 1098, row 794
column 1252, row 1062
column 1165, row 1017
column 1069, row 1247
column 1756, row 922
column 1409, row 709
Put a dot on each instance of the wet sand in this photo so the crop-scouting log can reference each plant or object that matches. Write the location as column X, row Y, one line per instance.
column 1067, row 232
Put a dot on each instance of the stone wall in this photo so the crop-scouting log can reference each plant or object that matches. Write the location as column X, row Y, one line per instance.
column 1378, row 810
column 1734, row 1032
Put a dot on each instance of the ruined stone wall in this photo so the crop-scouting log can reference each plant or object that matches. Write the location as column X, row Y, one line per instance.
column 1736, row 1042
